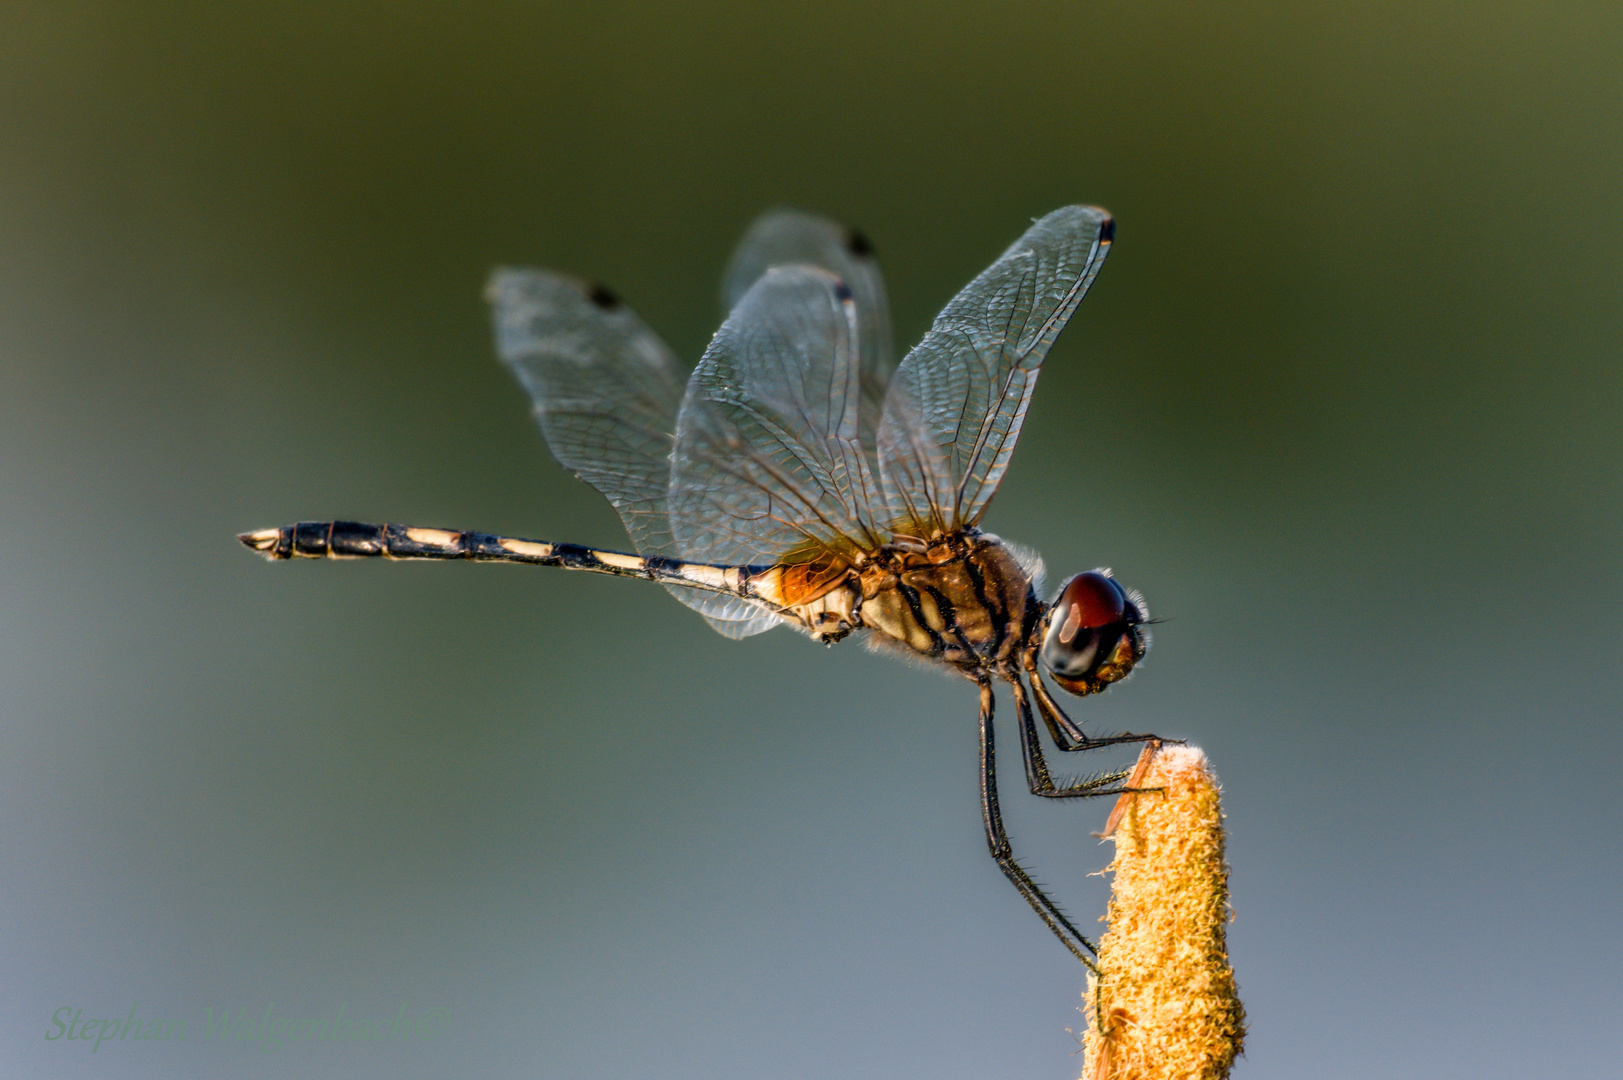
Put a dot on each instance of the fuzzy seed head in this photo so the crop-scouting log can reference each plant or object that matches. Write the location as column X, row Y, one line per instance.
column 1165, row 1005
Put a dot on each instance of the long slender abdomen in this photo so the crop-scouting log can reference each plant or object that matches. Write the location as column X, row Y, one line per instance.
column 354, row 540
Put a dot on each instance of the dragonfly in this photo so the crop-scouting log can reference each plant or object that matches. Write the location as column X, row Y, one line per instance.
column 801, row 476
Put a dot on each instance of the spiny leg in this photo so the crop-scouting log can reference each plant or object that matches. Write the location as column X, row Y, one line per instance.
column 1037, row 775
column 998, row 841
column 1068, row 736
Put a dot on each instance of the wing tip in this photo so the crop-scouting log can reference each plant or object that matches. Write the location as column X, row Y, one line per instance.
column 529, row 290
column 1076, row 218
column 601, row 295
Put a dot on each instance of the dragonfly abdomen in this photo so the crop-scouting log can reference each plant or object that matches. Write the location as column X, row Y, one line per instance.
column 356, row 540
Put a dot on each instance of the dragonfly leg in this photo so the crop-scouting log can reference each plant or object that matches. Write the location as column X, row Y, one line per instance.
column 1038, row 778
column 1067, row 734
column 998, row 841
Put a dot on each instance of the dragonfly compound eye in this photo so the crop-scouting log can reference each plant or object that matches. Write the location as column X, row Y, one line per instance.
column 1093, row 637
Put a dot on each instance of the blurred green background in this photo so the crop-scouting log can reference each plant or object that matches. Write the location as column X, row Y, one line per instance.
column 1344, row 404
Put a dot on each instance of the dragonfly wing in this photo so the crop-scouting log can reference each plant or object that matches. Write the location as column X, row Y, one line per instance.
column 606, row 392
column 752, row 620
column 791, row 237
column 788, row 237
column 957, row 401
column 605, row 387
column 769, row 465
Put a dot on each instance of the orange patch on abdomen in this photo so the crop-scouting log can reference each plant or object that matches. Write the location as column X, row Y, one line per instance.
column 805, row 582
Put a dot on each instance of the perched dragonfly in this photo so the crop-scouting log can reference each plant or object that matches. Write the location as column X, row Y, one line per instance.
column 804, row 478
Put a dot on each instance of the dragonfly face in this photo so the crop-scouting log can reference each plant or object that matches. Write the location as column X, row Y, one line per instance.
column 1093, row 633
column 800, row 476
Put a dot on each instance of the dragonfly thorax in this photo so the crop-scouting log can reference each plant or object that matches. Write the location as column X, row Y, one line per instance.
column 964, row 600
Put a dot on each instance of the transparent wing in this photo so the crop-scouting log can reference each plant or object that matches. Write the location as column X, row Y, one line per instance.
column 728, row 616
column 606, row 392
column 768, row 465
column 957, row 401
column 605, row 388
column 792, row 237
column 787, row 237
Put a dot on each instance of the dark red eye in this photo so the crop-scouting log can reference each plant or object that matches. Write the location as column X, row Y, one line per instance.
column 1090, row 600
column 1094, row 635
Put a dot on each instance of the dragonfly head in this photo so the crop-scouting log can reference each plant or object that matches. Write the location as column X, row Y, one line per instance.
column 1093, row 633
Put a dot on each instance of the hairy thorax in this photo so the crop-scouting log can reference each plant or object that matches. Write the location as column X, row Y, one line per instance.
column 964, row 600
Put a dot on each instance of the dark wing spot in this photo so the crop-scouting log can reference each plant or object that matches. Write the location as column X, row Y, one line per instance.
column 842, row 291
column 600, row 295
column 1107, row 230
column 857, row 244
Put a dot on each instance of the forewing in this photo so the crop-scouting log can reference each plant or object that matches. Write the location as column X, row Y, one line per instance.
column 956, row 403
column 792, row 237
column 605, row 388
column 768, row 464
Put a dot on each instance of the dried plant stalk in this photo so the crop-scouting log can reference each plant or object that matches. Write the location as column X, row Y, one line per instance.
column 1164, row 1006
